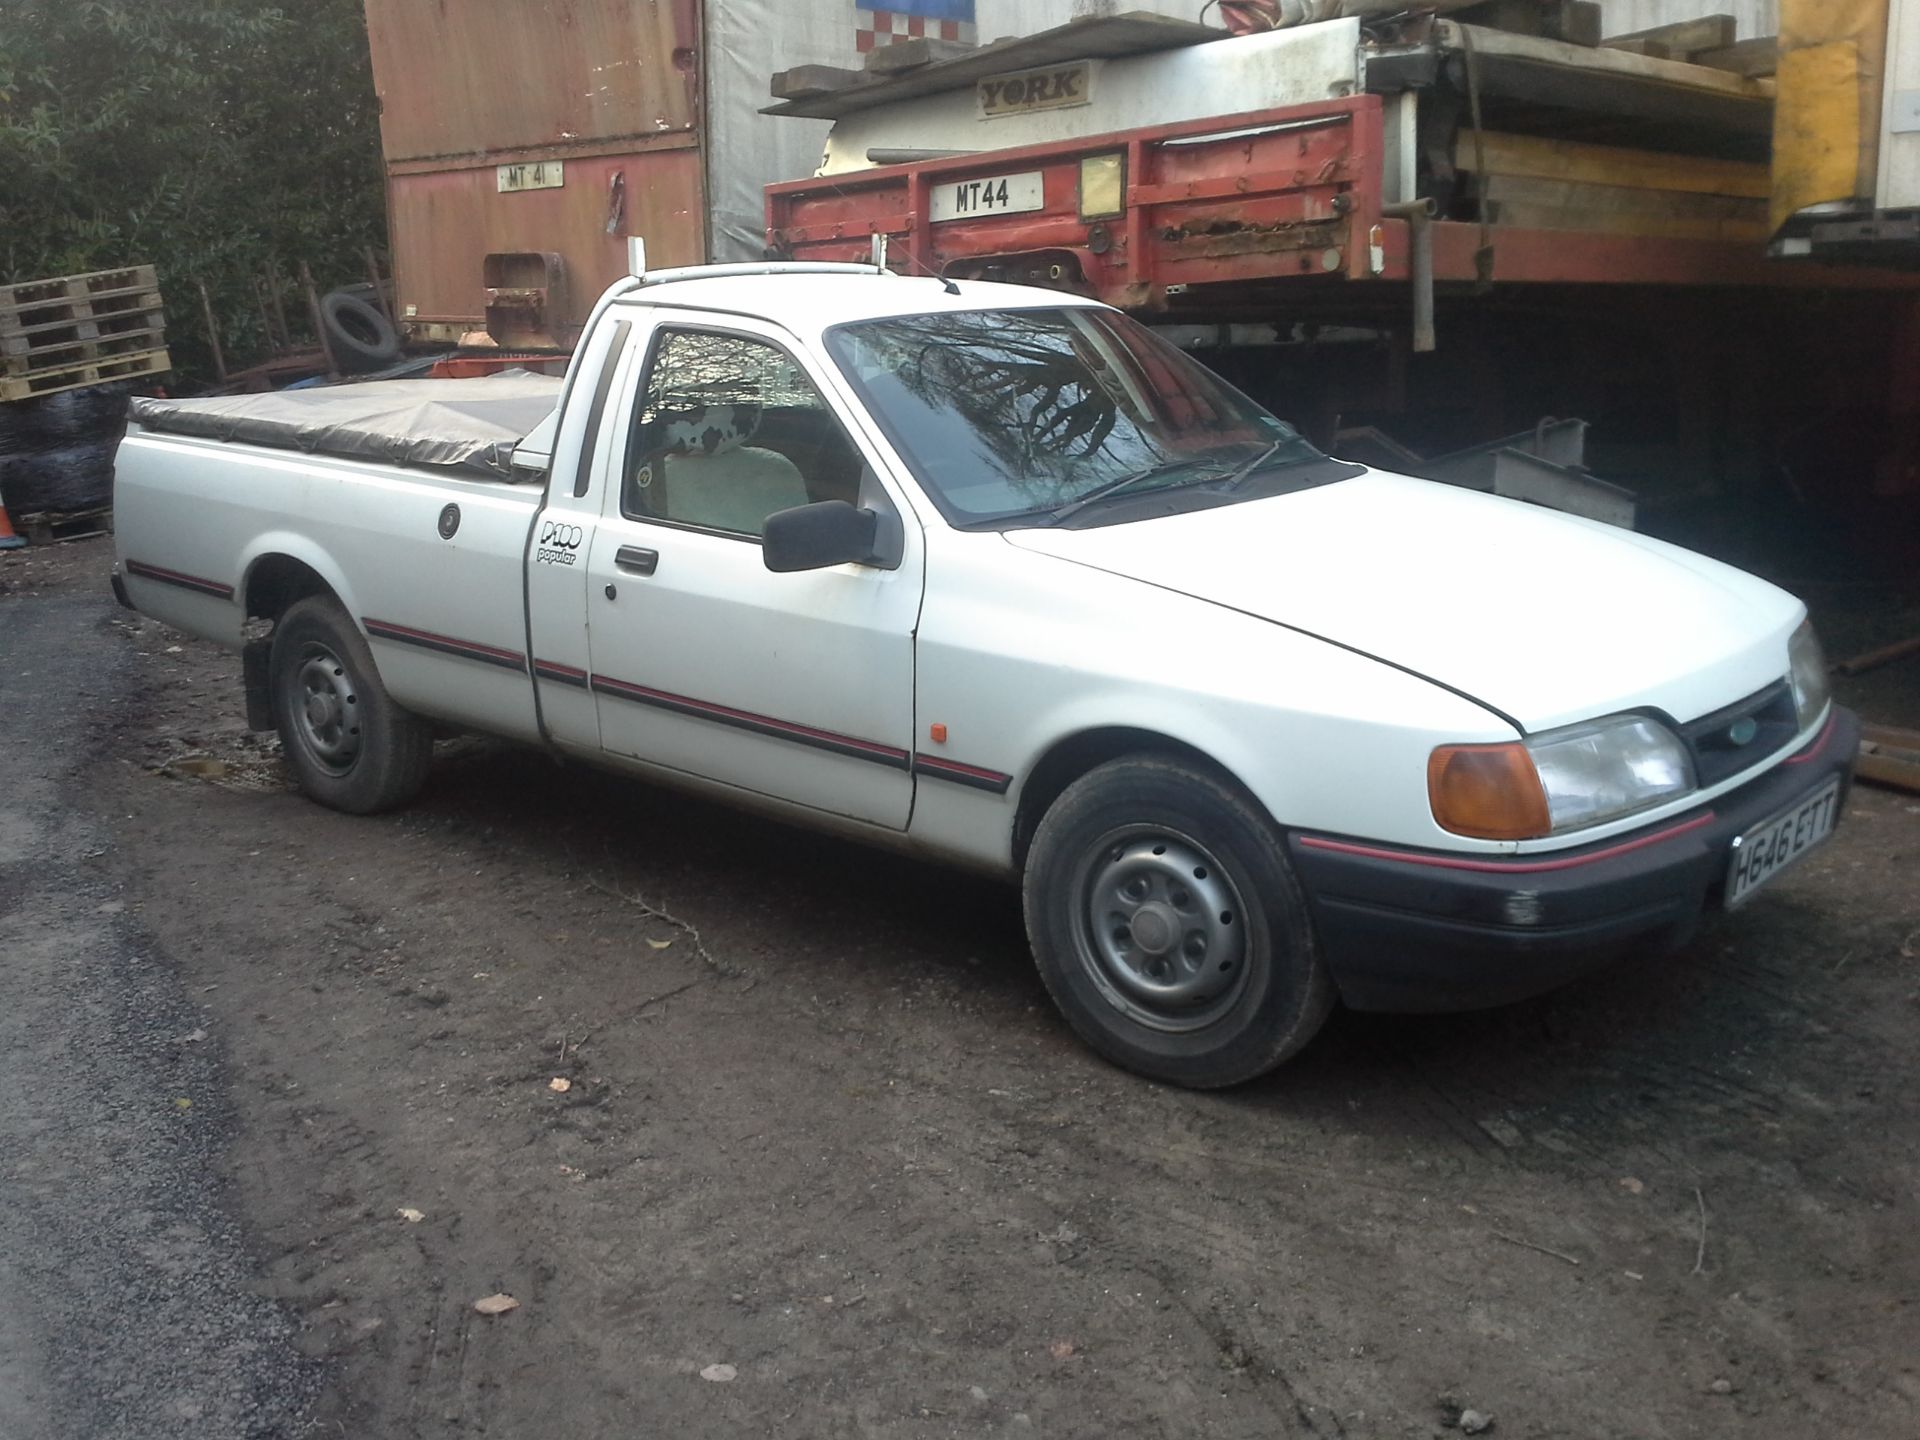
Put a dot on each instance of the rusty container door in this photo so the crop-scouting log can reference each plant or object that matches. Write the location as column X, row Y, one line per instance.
column 529, row 138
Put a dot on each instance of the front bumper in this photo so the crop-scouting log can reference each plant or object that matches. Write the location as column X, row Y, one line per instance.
column 1422, row 930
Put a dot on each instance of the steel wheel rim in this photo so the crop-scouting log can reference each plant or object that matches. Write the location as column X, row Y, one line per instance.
column 1160, row 928
column 326, row 710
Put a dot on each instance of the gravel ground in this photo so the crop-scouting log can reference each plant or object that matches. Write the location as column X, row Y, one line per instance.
column 825, row 1162
column 128, row 1303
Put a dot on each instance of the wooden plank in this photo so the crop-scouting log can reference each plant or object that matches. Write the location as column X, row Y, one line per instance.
column 1874, row 659
column 1741, row 123
column 1751, row 58
column 1534, row 157
column 1679, row 39
column 1645, row 47
column 60, row 330
column 1105, row 37
column 1601, row 61
column 29, row 293
column 56, row 527
column 1628, row 227
column 1889, row 757
column 17, row 359
column 1620, row 210
column 805, row 81
column 1575, row 21
column 53, row 314
column 913, row 52
column 93, row 372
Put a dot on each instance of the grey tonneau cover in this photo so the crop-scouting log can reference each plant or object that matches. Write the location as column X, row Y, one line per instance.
column 463, row 425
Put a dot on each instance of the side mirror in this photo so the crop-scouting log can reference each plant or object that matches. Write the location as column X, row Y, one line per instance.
column 813, row 537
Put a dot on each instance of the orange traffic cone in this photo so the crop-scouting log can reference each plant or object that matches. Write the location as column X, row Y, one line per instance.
column 8, row 540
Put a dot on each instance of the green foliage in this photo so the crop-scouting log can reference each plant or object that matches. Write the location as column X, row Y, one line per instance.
column 207, row 137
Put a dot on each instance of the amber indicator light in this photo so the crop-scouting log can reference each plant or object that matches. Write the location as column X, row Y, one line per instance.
column 1488, row 792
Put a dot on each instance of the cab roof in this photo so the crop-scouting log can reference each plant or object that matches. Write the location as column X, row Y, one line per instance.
column 811, row 302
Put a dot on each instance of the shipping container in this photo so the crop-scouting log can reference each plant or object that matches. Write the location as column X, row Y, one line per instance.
column 526, row 139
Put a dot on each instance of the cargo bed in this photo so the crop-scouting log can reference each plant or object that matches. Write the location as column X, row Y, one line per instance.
column 466, row 426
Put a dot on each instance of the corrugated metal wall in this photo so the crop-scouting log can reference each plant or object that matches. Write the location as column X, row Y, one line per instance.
column 610, row 88
column 455, row 79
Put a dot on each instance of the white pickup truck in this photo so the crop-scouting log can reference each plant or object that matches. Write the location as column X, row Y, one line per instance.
column 993, row 575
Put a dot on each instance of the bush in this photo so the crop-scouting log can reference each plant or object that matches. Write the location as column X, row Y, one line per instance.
column 205, row 137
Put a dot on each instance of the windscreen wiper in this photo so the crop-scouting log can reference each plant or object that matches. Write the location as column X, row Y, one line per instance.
column 1318, row 469
column 1115, row 486
column 1241, row 472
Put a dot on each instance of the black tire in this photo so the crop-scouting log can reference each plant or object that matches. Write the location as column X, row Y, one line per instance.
column 1169, row 927
column 351, row 747
column 61, row 479
column 358, row 334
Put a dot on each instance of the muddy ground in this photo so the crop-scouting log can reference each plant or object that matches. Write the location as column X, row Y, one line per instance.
column 820, row 1125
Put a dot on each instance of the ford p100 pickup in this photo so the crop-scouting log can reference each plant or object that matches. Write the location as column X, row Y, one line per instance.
column 994, row 575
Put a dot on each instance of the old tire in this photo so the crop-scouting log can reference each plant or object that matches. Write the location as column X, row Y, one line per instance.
column 1169, row 927
column 351, row 747
column 359, row 335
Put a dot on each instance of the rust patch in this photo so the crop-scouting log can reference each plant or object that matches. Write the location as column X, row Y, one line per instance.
column 1223, row 238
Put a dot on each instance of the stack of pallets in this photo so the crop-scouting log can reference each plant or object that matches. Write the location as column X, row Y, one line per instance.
column 80, row 330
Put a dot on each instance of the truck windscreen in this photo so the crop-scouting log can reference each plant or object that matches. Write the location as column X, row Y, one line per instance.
column 1029, row 415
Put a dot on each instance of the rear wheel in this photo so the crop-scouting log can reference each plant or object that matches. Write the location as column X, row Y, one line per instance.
column 1169, row 927
column 351, row 747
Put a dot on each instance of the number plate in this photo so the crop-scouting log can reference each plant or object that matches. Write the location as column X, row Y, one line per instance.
column 1767, row 849
column 530, row 175
column 998, row 195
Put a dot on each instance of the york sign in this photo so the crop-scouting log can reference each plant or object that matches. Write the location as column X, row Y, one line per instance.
column 1054, row 88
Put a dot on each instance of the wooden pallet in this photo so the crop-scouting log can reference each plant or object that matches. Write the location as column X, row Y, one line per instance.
column 114, row 345
column 80, row 330
column 66, row 289
column 49, row 334
column 55, row 528
column 69, row 314
column 72, row 315
column 79, row 375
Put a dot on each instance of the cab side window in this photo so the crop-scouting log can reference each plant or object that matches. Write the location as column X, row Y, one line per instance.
column 730, row 431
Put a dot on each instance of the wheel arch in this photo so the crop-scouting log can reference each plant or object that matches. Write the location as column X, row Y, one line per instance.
column 273, row 580
column 284, row 568
column 1075, row 755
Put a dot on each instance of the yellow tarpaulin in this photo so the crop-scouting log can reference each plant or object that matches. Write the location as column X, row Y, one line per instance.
column 1826, row 119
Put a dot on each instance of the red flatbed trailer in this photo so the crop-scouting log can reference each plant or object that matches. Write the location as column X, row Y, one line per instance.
column 1289, row 194
column 1707, row 367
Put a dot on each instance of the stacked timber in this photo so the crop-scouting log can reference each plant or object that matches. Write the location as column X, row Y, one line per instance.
column 80, row 330
column 1661, row 133
column 1547, row 184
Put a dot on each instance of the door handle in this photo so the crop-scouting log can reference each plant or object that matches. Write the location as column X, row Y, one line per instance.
column 633, row 558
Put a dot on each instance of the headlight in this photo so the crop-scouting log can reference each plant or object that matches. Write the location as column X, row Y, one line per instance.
column 1807, row 673
column 1609, row 768
column 1557, row 781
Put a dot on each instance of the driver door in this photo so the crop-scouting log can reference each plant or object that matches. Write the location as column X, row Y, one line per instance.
column 796, row 686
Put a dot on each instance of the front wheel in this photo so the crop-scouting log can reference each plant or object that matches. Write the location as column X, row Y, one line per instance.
column 350, row 745
column 1169, row 927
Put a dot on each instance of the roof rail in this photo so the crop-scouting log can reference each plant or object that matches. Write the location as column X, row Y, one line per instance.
column 759, row 267
column 637, row 266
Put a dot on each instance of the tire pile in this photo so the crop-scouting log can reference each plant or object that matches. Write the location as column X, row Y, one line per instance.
column 56, row 451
